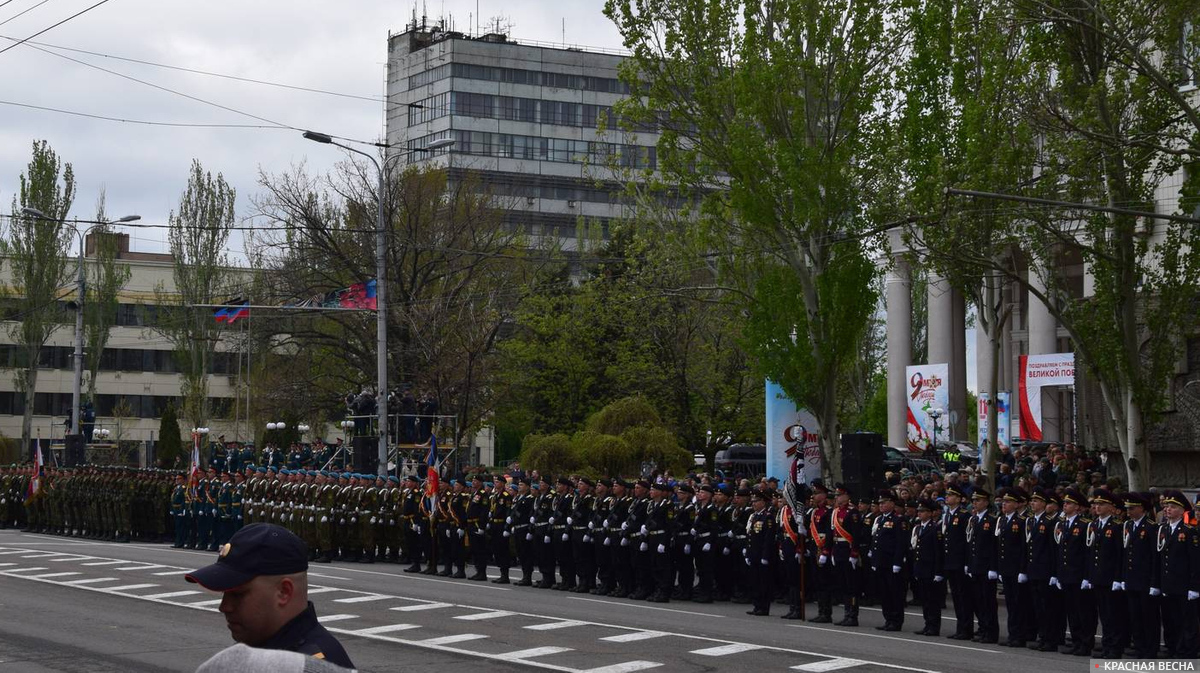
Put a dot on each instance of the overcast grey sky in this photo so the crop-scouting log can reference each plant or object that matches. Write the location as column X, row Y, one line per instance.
column 333, row 46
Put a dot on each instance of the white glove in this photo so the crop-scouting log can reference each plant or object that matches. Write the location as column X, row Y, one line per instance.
column 565, row 537
column 528, row 536
column 372, row 519
column 993, row 575
column 967, row 571
column 587, row 539
column 870, row 554
column 551, row 521
column 607, row 542
column 324, row 519
column 546, row 540
column 687, row 549
column 1085, row 585
column 533, row 519
column 895, row 570
column 591, row 525
column 1054, row 583
column 643, row 547
column 624, row 542
column 854, row 562
column 508, row 519
column 692, row 532
column 461, row 533
column 1117, row 586
column 1193, row 595
column 765, row 562
column 570, row 521
column 624, row 525
column 1155, row 591
column 747, row 561
column 938, row 578
column 780, row 554
column 822, row 560
column 725, row 551
column 1022, row 578
column 662, row 549
column 706, row 547
column 644, row 530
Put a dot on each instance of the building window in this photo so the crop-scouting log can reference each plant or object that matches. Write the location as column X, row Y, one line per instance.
column 1189, row 53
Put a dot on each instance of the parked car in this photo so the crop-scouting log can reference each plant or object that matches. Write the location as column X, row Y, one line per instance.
column 895, row 460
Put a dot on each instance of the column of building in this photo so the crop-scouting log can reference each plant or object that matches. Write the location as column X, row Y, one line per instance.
column 898, row 297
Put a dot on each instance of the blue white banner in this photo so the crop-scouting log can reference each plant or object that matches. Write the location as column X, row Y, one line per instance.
column 791, row 431
column 1003, row 418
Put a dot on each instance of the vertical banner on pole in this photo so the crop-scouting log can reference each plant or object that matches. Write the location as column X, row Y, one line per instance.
column 1037, row 372
column 791, row 431
column 1003, row 419
column 927, row 389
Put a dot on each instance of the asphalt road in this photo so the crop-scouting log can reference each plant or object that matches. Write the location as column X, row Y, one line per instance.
column 79, row 605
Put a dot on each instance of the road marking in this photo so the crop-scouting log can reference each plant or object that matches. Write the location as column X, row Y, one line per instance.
column 335, row 618
column 723, row 650
column 625, row 667
column 857, row 634
column 103, row 563
column 322, row 590
column 89, row 581
column 648, row 607
column 169, row 572
column 329, row 577
column 24, row 570
column 550, row 626
column 203, row 604
column 478, row 616
column 422, row 606
column 5, row 565
column 72, row 557
column 44, row 554
column 46, row 577
column 361, row 599
column 634, row 636
column 387, row 628
column 448, row 640
column 171, row 594
column 129, row 587
column 143, row 567
column 828, row 665
column 535, row 652
column 15, row 551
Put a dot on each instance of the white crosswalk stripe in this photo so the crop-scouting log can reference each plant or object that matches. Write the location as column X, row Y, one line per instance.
column 450, row 640
column 335, row 618
column 624, row 667
column 478, row 616
column 205, row 604
column 361, row 599
column 23, row 570
column 551, row 626
column 386, row 628
column 50, row 575
column 535, row 652
column 129, row 587
column 828, row 665
column 92, row 580
column 171, row 594
column 634, row 636
column 422, row 606
column 722, row 650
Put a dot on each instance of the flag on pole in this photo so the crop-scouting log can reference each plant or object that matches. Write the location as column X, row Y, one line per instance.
column 431, row 473
column 232, row 310
column 194, row 472
column 35, row 482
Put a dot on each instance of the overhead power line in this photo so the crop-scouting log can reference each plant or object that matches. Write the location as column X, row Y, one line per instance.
column 56, row 25
column 141, row 121
column 21, row 13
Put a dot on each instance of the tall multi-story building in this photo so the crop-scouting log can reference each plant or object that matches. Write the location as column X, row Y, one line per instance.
column 525, row 118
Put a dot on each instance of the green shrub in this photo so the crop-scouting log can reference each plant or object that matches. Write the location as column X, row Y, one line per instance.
column 658, row 445
column 604, row 454
column 548, row 454
column 623, row 414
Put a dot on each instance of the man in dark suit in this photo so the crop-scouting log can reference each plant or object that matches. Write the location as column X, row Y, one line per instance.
column 954, row 547
column 1041, row 555
column 1140, row 536
column 982, row 566
column 889, row 534
column 1071, row 575
column 1106, row 546
column 927, row 568
column 1011, row 558
column 1177, row 577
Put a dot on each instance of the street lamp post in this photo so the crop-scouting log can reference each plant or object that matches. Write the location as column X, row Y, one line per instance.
column 380, row 281
column 935, row 414
column 77, row 388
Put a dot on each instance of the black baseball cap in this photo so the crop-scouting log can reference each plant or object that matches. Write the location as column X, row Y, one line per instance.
column 257, row 549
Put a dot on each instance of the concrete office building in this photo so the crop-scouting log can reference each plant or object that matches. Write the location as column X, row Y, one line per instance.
column 524, row 117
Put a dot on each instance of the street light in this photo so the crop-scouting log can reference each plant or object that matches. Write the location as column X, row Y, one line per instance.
column 77, row 388
column 380, row 279
column 935, row 414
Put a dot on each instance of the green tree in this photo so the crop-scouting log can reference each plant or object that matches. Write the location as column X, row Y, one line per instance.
column 170, row 441
column 198, row 236
column 36, row 248
column 770, row 113
column 105, row 280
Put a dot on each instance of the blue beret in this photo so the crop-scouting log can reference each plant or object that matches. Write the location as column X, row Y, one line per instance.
column 393, row 480
column 453, row 482
column 512, row 487
column 285, row 471
column 261, row 470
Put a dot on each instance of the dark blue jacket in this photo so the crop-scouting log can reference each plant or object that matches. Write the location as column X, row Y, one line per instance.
column 306, row 636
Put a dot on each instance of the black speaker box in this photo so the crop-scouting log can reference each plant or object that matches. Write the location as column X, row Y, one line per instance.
column 862, row 463
column 73, row 451
column 365, row 452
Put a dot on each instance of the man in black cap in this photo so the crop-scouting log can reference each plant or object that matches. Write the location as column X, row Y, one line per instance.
column 982, row 563
column 262, row 573
column 954, row 541
column 560, row 534
column 1041, row 553
column 618, row 526
column 927, row 566
column 1106, row 549
column 704, row 548
column 761, row 553
column 889, row 535
column 1140, row 534
column 1011, row 556
column 843, row 554
column 1072, row 575
column 1177, row 577
column 660, row 522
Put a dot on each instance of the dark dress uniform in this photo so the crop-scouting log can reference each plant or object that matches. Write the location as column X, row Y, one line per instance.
column 602, row 543
column 619, row 526
column 1140, row 538
column 1106, row 544
column 178, row 514
column 1072, row 573
column 760, row 554
column 639, row 550
column 819, row 541
column 500, row 524
column 1177, row 577
column 982, row 571
column 583, row 552
column 560, row 538
column 847, row 530
column 927, row 567
column 542, row 544
column 1041, row 553
column 725, row 561
column 661, row 525
column 476, row 523
column 304, row 634
column 684, row 551
column 889, row 535
column 1011, row 559
column 705, row 552
column 954, row 546
column 791, row 556
column 522, row 531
